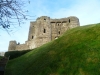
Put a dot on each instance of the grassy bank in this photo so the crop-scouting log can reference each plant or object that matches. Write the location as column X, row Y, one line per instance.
column 77, row 52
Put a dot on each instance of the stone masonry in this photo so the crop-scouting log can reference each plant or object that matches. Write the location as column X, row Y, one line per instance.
column 44, row 30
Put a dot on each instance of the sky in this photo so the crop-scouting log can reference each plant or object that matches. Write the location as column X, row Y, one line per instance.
column 88, row 12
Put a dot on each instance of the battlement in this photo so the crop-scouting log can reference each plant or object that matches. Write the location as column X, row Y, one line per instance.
column 44, row 30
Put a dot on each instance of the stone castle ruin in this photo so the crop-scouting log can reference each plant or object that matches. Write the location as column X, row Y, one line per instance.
column 44, row 30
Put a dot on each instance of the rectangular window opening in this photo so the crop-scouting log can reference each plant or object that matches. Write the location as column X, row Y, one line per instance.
column 32, row 37
column 44, row 31
column 59, row 32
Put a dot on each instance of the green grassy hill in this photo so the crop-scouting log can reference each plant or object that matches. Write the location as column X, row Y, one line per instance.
column 77, row 52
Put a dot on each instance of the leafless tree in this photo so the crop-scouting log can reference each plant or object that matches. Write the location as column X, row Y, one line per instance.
column 11, row 10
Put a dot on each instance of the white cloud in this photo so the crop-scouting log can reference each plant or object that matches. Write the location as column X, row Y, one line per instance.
column 87, row 11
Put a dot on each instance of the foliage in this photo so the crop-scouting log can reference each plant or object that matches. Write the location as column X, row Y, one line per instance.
column 1, row 57
column 15, row 54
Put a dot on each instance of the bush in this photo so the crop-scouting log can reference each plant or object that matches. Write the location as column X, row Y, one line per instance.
column 15, row 54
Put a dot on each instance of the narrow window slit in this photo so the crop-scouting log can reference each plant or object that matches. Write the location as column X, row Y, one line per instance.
column 69, row 20
column 59, row 32
column 44, row 31
column 32, row 37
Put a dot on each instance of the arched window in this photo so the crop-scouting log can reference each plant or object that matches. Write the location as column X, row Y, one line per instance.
column 44, row 31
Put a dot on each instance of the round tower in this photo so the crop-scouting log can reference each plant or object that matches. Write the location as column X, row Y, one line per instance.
column 31, row 31
column 43, row 29
column 12, row 45
column 73, row 22
column 39, row 32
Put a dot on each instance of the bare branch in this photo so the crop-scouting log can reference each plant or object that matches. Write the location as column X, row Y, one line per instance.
column 10, row 10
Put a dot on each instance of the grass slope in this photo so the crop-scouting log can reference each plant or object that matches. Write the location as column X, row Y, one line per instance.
column 77, row 52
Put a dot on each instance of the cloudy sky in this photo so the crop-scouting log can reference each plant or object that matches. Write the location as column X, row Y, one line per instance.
column 88, row 12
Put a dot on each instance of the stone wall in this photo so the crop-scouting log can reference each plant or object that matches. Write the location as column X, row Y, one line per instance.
column 44, row 30
column 22, row 47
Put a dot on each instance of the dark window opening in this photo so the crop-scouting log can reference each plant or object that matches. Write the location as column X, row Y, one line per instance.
column 44, row 19
column 58, row 24
column 59, row 32
column 44, row 31
column 69, row 20
column 32, row 37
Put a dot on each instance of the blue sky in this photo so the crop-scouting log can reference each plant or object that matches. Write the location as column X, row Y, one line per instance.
column 88, row 12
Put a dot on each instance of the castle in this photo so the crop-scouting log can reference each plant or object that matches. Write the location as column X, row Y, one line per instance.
column 44, row 30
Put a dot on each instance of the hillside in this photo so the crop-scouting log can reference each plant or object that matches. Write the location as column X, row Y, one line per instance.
column 77, row 52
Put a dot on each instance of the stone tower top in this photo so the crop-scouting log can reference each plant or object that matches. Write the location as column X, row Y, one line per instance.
column 43, row 18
